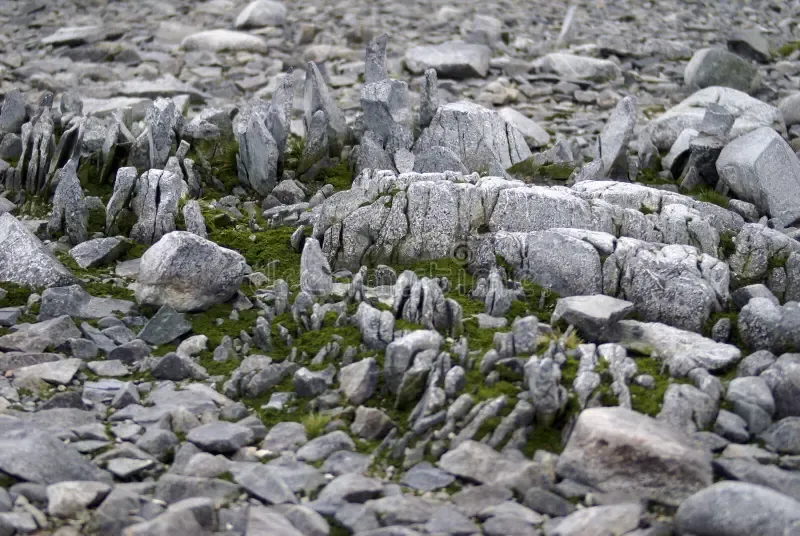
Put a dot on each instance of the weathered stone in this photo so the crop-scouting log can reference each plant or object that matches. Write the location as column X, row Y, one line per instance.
column 615, row 449
column 718, row 67
column 219, row 40
column 571, row 66
column 592, row 316
column 24, row 260
column 260, row 13
column 188, row 272
column 450, row 60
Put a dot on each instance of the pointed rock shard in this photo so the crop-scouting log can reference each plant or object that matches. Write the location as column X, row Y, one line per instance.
column 317, row 97
column 124, row 186
column 24, row 260
column 375, row 61
column 257, row 160
column 155, row 204
column 428, row 98
column 279, row 115
column 315, row 272
column 70, row 214
column 315, row 151
column 387, row 113
column 616, row 136
column 566, row 26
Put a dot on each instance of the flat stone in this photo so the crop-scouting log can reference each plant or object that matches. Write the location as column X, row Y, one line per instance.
column 591, row 315
column 220, row 437
column 450, row 60
column 224, row 40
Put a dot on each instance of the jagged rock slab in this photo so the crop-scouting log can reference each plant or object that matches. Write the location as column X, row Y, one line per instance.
column 24, row 260
column 450, row 60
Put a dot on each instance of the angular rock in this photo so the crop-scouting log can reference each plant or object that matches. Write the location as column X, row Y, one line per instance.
column 228, row 40
column 261, row 13
column 718, row 67
column 315, row 272
column 165, row 326
column 592, row 316
column 761, row 168
column 98, row 251
column 220, row 437
column 581, row 67
column 24, row 260
column 615, row 449
column 188, row 272
column 450, row 60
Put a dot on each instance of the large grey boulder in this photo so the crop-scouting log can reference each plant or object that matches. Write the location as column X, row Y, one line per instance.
column 217, row 40
column 619, row 450
column 188, row 272
column 718, row 67
column 260, row 13
column 24, row 260
column 761, row 168
column 783, row 378
column 763, row 325
column 749, row 114
column 482, row 139
column 738, row 509
column 450, row 60
column 581, row 67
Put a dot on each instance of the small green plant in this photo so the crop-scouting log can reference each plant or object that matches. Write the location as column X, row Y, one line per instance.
column 707, row 195
column 315, row 424
column 788, row 49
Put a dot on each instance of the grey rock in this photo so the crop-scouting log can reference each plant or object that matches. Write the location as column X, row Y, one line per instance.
column 359, row 380
column 481, row 463
column 737, row 509
column 483, row 140
column 24, row 260
column 400, row 354
column 375, row 60
column 13, row 113
column 155, row 205
column 438, row 159
column 173, row 488
column 66, row 499
column 591, row 315
column 321, row 447
column 581, row 67
column 217, row 40
column 257, row 161
column 450, row 60
column 687, row 408
column 371, row 424
column 387, row 113
column 784, row 437
column 220, row 437
column 749, row 114
column 742, row 296
column 718, row 67
column 429, row 98
column 176, row 368
column 98, row 251
column 786, row 482
column 731, row 426
column 76, row 302
column 681, row 350
column 343, row 462
column 193, row 219
column 615, row 137
column 315, row 272
column 309, row 384
column 426, row 477
column 605, row 441
column 36, row 456
column 263, row 482
column 285, row 436
column 761, row 168
column 70, row 214
column 158, row 443
column 534, row 134
column 599, row 520
column 37, row 337
column 262, row 522
column 168, row 276
column 169, row 523
column 260, row 13
column 717, row 122
column 166, row 326
column 316, row 97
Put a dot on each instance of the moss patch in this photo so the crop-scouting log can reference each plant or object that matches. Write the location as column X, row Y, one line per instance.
column 529, row 171
column 788, row 49
column 708, row 195
column 16, row 295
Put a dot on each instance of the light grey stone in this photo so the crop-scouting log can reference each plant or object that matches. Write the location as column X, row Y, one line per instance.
column 219, row 40
column 261, row 13
column 606, row 440
column 581, row 67
column 454, row 59
column 24, row 260
column 718, row 67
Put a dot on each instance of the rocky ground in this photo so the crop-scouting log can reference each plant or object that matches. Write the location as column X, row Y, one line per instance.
column 391, row 269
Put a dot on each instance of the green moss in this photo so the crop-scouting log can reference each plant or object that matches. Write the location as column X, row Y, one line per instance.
column 788, row 49
column 645, row 210
column 315, row 424
column 708, row 195
column 269, row 251
column 6, row 481
column 90, row 175
column 16, row 295
column 727, row 245
column 777, row 261
column 217, row 158
column 543, row 438
column 339, row 176
column 227, row 476
column 649, row 401
column 653, row 111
